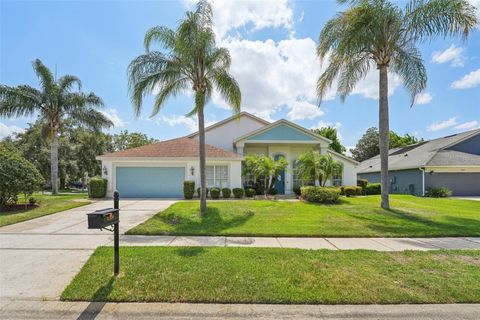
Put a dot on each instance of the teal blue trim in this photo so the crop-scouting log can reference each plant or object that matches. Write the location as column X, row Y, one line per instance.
column 150, row 182
column 282, row 132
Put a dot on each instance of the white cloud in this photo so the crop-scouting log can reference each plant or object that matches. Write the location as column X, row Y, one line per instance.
column 452, row 54
column 368, row 87
column 323, row 124
column 6, row 130
column 190, row 122
column 467, row 125
column 112, row 114
column 229, row 15
column 470, row 80
column 423, row 98
column 303, row 110
column 436, row 126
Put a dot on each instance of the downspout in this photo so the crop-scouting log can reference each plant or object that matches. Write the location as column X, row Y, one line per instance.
column 423, row 181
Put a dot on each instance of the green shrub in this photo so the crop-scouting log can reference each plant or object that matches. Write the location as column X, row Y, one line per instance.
column 320, row 194
column 342, row 190
column 297, row 191
column 199, row 191
column 272, row 191
column 32, row 201
column 17, row 176
column 250, row 192
column 226, row 193
column 97, row 187
column 350, row 190
column 188, row 189
column 438, row 193
column 260, row 191
column 373, row 188
column 362, row 183
column 215, row 193
column 237, row 193
column 359, row 191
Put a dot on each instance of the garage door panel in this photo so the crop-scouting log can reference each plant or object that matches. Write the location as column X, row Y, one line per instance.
column 150, row 182
column 461, row 184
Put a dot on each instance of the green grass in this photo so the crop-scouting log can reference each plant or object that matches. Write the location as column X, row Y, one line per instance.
column 273, row 275
column 48, row 204
column 354, row 217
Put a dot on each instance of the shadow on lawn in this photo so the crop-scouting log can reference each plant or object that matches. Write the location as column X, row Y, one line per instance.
column 211, row 222
column 98, row 301
column 410, row 224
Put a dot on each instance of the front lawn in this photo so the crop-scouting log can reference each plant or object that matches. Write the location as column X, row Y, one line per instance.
column 48, row 204
column 273, row 275
column 354, row 217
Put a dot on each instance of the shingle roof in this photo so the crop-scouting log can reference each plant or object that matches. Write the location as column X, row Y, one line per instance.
column 175, row 148
column 433, row 153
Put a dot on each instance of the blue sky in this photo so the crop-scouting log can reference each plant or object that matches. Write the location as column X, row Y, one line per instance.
column 273, row 51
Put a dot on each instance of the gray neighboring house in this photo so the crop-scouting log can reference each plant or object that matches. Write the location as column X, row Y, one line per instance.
column 452, row 162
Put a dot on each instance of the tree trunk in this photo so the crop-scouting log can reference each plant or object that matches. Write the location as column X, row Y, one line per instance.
column 54, row 161
column 199, row 100
column 384, row 135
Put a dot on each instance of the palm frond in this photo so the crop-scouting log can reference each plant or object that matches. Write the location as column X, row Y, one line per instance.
column 45, row 76
column 90, row 118
column 168, row 89
column 165, row 36
column 228, row 88
column 68, row 81
column 19, row 101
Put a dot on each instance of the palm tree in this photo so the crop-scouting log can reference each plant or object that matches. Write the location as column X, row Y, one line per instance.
column 377, row 33
column 317, row 167
column 190, row 60
column 54, row 102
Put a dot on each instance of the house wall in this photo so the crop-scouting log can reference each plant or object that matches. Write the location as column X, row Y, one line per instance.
column 460, row 183
column 291, row 152
column 223, row 136
column 234, row 170
column 471, row 145
column 400, row 180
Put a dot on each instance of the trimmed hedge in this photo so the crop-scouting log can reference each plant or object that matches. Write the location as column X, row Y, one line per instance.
column 320, row 194
column 226, row 193
column 215, row 193
column 199, row 191
column 237, row 193
column 362, row 183
column 272, row 191
column 373, row 188
column 438, row 193
column 350, row 191
column 250, row 192
column 188, row 189
column 260, row 191
column 297, row 191
column 97, row 187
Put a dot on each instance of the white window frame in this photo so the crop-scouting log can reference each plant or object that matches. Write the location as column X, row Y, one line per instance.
column 215, row 179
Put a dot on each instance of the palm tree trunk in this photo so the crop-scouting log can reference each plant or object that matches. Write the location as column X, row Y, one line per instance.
column 384, row 135
column 54, row 161
column 199, row 99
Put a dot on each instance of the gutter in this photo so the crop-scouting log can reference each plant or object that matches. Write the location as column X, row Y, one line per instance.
column 423, row 180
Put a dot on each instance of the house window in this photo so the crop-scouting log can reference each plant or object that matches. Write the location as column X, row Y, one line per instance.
column 337, row 177
column 217, row 176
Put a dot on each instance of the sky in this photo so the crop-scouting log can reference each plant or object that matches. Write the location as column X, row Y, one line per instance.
column 272, row 44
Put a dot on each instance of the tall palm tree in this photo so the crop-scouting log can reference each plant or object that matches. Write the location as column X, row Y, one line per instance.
column 377, row 33
column 190, row 59
column 54, row 103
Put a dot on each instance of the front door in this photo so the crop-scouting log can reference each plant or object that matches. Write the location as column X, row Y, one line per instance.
column 280, row 183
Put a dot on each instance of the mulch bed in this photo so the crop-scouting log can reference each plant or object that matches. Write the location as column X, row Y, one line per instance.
column 19, row 207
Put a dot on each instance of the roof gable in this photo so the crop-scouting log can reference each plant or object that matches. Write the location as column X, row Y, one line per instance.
column 283, row 130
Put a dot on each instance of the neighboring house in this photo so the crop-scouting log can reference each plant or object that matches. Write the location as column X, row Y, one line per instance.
column 452, row 162
column 159, row 169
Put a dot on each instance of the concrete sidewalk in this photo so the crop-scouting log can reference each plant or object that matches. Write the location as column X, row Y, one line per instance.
column 99, row 310
column 377, row 244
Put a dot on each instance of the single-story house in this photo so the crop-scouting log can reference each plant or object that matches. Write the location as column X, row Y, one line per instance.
column 158, row 170
column 452, row 162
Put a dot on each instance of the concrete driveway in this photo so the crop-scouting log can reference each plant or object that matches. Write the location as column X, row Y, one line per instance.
column 39, row 257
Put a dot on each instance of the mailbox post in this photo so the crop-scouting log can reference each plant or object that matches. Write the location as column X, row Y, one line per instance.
column 116, row 248
column 102, row 219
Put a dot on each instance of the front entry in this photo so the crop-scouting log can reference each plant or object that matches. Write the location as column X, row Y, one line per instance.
column 280, row 183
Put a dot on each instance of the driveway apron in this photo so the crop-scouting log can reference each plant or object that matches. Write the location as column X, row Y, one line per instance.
column 39, row 257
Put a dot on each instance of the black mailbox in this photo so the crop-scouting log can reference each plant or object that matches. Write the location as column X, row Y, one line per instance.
column 102, row 218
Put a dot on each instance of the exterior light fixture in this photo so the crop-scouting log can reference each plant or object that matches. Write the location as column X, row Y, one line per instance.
column 105, row 171
column 192, row 170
